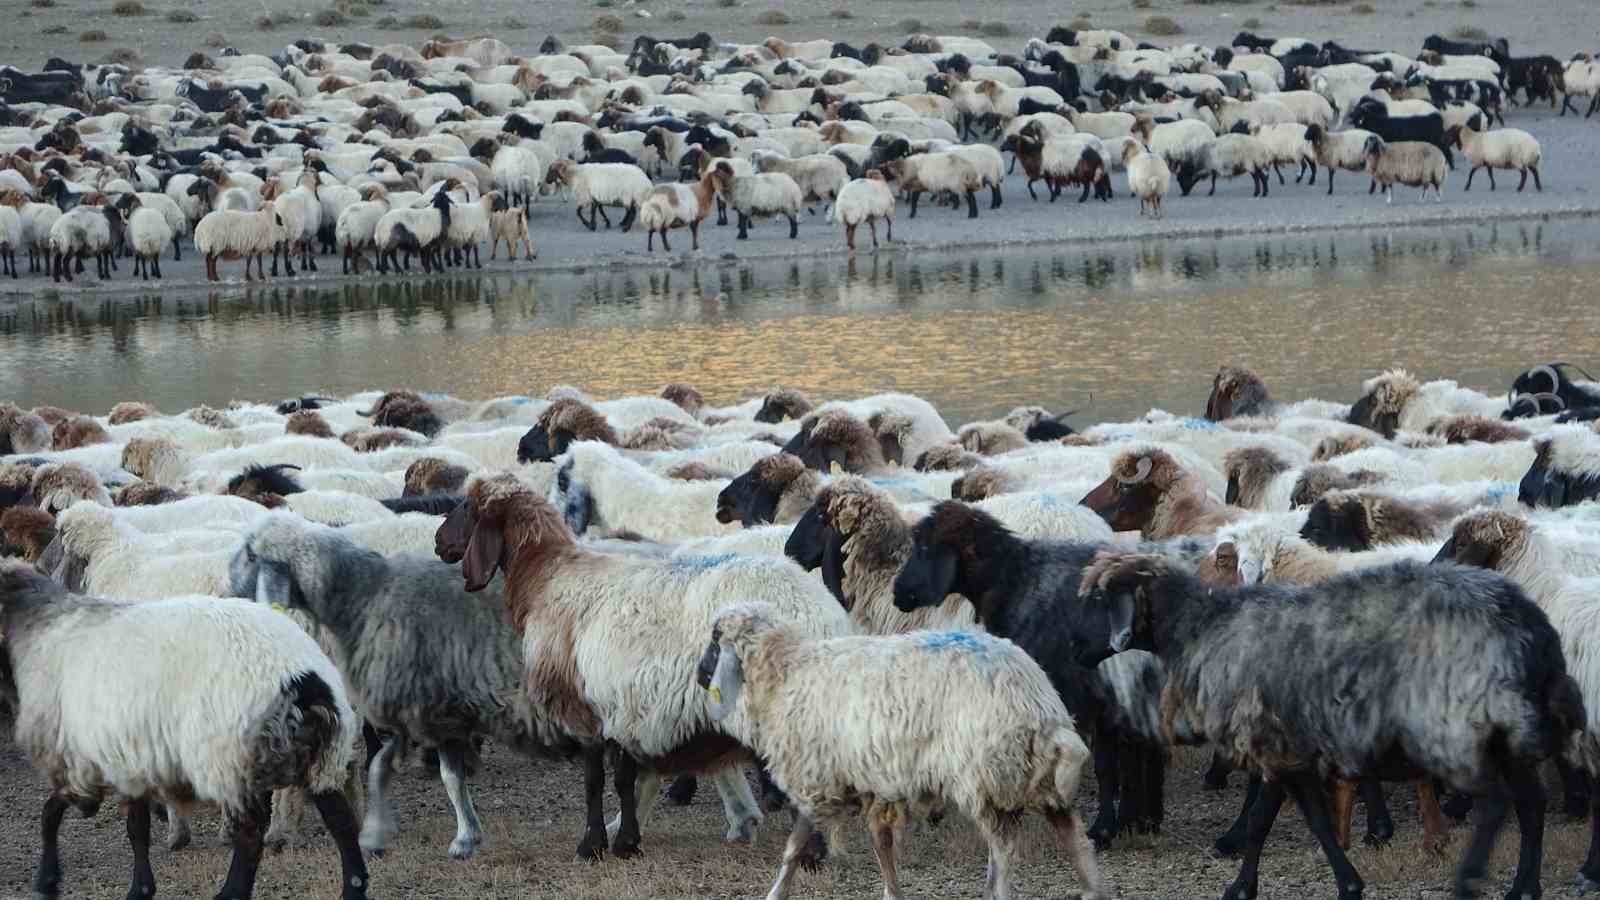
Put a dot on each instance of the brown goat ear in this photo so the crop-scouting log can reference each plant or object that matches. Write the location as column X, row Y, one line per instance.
column 483, row 555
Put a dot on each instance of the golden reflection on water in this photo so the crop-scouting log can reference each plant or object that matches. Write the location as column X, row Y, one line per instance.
column 1138, row 327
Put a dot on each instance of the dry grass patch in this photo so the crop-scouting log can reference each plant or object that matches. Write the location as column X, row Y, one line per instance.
column 128, row 8
column 42, row 4
column 92, row 36
column 607, row 23
column 842, row 13
column 53, row 29
column 514, row 23
column 424, row 22
column 675, row 15
column 216, row 40
column 123, row 56
column 182, row 17
column 1470, row 33
column 1162, row 26
column 1363, row 9
column 909, row 26
column 774, row 17
column 332, row 17
column 995, row 29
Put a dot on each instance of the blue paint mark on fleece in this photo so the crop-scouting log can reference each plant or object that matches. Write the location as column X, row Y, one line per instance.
column 1193, row 424
column 701, row 563
column 1500, row 491
column 954, row 641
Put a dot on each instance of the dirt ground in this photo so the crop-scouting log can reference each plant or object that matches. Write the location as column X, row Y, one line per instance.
column 532, row 814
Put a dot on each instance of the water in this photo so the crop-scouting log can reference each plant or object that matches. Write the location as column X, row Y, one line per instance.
column 1137, row 325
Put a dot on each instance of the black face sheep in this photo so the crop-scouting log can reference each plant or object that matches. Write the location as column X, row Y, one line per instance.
column 1273, row 675
column 1362, row 520
column 784, row 404
column 777, row 489
column 838, row 751
column 834, row 437
column 614, row 637
column 1565, row 469
column 1396, row 401
column 427, row 663
column 1551, row 387
column 270, row 714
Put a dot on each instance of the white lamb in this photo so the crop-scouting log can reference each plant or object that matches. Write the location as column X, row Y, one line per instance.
column 864, row 200
column 148, row 233
column 1149, row 179
column 789, row 695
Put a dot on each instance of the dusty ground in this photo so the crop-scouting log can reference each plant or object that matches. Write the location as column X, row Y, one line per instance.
column 1555, row 26
column 532, row 817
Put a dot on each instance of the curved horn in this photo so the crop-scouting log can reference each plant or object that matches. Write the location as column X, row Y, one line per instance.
column 1141, row 472
column 1550, row 372
column 281, row 466
column 1539, row 399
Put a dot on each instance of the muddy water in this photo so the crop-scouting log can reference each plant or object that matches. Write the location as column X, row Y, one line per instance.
column 1135, row 325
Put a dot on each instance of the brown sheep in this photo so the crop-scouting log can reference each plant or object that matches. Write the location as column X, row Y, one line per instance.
column 81, row 431
column 23, row 432
column 1147, row 491
column 1318, row 480
column 405, row 409
column 694, row 470
column 431, row 475
column 834, row 437
column 1250, row 472
column 660, row 434
column 687, row 398
column 310, row 423
column 947, row 458
column 57, row 486
column 1361, row 520
column 25, row 532
column 1237, row 391
column 1339, row 445
column 990, row 438
column 981, row 483
column 131, row 411
column 211, row 418
column 145, row 493
column 1469, row 429
column 784, row 404
column 371, row 440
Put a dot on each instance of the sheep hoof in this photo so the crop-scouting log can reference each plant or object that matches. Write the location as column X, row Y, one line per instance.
column 592, row 847
column 375, row 840
column 744, row 832
column 464, row 847
column 178, row 836
column 813, row 854
column 1227, row 846
column 1377, row 840
column 1583, row 884
column 626, row 849
column 275, row 845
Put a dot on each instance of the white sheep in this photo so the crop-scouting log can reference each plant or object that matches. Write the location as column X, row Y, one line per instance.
column 84, row 231
column 1411, row 163
column 233, row 234
column 597, row 185
column 1230, row 156
column 676, row 206
column 11, row 237
column 148, row 233
column 1334, row 150
column 1149, row 179
column 759, row 195
column 413, row 229
column 820, row 176
column 270, row 713
column 616, row 493
column 1508, row 148
column 788, row 694
column 864, row 200
column 1288, row 144
column 937, row 173
column 356, row 228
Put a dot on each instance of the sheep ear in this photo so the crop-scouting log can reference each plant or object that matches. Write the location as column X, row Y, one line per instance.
column 483, row 555
column 727, row 683
column 273, row 586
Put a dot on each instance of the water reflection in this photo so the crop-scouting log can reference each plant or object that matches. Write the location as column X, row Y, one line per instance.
column 1137, row 324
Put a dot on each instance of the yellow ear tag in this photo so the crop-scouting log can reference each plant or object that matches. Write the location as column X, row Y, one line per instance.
column 278, row 607
column 785, row 418
column 716, row 693
column 835, row 469
column 894, row 463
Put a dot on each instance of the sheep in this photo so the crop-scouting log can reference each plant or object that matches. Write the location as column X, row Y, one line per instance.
column 510, row 225
column 301, row 212
column 1075, row 159
column 617, row 664
column 1238, row 673
column 1229, row 156
column 674, row 206
column 271, row 714
column 1396, row 401
column 356, row 227
column 22, row 432
column 1357, row 520
column 420, row 230
column 1565, row 469
column 865, row 199
column 148, row 234
column 1390, row 126
column 84, row 231
column 937, row 173
column 11, row 237
column 1149, row 178
column 781, row 682
column 1148, row 491
column 819, row 175
column 775, row 490
column 1581, row 78
column 1508, row 148
column 1345, row 150
column 758, row 195
column 426, row 623
column 26, row 532
column 1289, row 144
column 598, row 185
column 596, row 486
column 230, row 234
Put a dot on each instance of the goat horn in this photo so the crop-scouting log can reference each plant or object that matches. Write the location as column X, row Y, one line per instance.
column 1554, row 398
column 1141, row 471
column 1548, row 371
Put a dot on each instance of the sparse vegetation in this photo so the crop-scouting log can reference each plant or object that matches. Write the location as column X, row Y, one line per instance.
column 182, row 17
column 513, row 22
column 727, row 4
column 674, row 15
column 773, row 17
column 42, row 4
column 1214, row 2
column 842, row 13
column 216, row 40
column 332, row 17
column 54, row 29
column 909, row 26
column 424, row 22
column 387, row 22
column 604, row 39
column 264, row 23
column 1251, row 22
column 128, row 8
column 92, row 36
column 605, row 4
column 1363, row 9
column 607, row 23
column 123, row 56
column 971, row 24
column 1470, row 33
column 1141, row 4
column 1162, row 26
column 995, row 29
column 1469, row 4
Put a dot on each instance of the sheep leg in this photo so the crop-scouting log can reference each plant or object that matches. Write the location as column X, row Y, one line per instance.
column 738, row 805
column 599, row 210
column 722, row 211
column 1435, row 830
column 1262, row 815
column 628, row 217
column 850, row 236
column 794, row 226
column 1593, row 105
column 1230, row 842
column 1527, row 793
column 625, row 839
column 593, row 845
column 872, row 226
column 340, row 821
column 1574, row 788
column 1154, row 789
column 883, row 838
column 244, row 828
column 682, row 790
column 1380, row 827
column 494, row 248
column 888, row 226
column 1280, row 173
column 142, row 884
column 1313, row 805
column 477, row 258
column 308, row 258
column 997, row 878
column 1344, row 807
column 1069, row 829
column 1265, row 182
column 1490, row 170
column 1589, row 876
column 1085, row 195
column 994, row 195
column 972, row 205
column 453, row 772
column 380, row 826
column 744, row 226
column 1107, row 777
column 259, row 272
column 587, row 223
column 47, row 878
column 288, row 809
column 649, row 241
column 156, row 262
column 694, row 235
column 1031, row 194
column 799, row 839
column 1216, row 777
column 1491, row 808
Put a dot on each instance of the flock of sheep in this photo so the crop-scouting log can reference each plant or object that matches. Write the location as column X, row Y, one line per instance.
column 398, row 152
column 886, row 618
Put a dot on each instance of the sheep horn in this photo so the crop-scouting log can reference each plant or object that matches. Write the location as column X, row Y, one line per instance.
column 280, row 467
column 1539, row 399
column 1141, row 471
column 1554, row 376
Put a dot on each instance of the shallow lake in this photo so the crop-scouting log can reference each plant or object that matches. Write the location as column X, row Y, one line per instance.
column 1135, row 325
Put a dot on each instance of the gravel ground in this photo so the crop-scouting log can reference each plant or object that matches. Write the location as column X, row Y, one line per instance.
column 532, row 817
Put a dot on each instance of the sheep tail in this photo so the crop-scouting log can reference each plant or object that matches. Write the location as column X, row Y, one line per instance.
column 1070, row 754
column 303, row 740
column 1563, row 701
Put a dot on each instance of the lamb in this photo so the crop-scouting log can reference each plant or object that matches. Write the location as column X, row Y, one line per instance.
column 757, row 664
column 938, row 173
column 1238, row 674
column 402, row 627
column 820, row 176
column 866, row 199
column 510, row 225
column 598, row 185
column 159, row 734
column 148, row 234
column 84, row 231
column 1508, row 148
column 1149, row 178
column 231, row 234
column 674, row 206
column 759, row 195
column 617, row 664
column 1149, row 492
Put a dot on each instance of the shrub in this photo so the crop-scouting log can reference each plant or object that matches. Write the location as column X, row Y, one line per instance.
column 1469, row 4
column 216, row 39
column 1470, row 33
column 42, row 4
column 182, row 17
column 1363, row 9
column 1162, row 26
column 675, row 15
column 424, row 22
column 54, row 29
column 995, row 29
column 607, row 23
column 264, row 23
column 842, row 13
column 971, row 24
column 909, row 26
column 1251, row 22
column 387, row 22
column 727, row 4
column 605, row 4
column 604, row 39
column 128, row 8
column 773, row 17
column 122, row 56
column 514, row 23
column 330, row 18
column 1141, row 4
column 92, row 36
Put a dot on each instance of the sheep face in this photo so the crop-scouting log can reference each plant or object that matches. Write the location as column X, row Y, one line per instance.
column 1121, row 587
column 780, row 406
column 266, row 485
column 1235, row 392
column 1338, row 523
column 1221, row 567
column 751, row 499
column 1128, row 497
column 263, row 580
column 816, row 543
column 1481, row 540
column 1548, row 486
column 721, row 673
